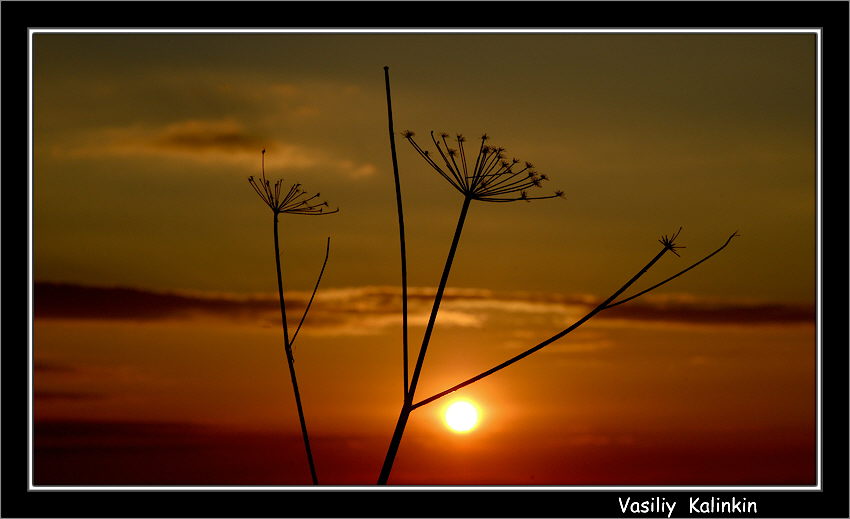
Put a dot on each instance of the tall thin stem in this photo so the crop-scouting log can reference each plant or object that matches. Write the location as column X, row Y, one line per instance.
column 400, row 233
column 289, row 358
column 417, row 370
column 407, row 406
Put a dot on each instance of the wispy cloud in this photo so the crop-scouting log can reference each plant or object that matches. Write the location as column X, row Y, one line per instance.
column 199, row 136
column 207, row 141
column 371, row 309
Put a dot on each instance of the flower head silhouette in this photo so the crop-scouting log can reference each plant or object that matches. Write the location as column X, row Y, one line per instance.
column 669, row 242
column 295, row 201
column 491, row 178
column 488, row 177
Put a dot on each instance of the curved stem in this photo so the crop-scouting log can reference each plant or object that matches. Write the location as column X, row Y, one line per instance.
column 289, row 358
column 674, row 276
column 602, row 306
column 315, row 288
column 400, row 234
column 407, row 406
column 608, row 303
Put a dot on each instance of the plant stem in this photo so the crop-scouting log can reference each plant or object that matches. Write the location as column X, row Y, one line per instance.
column 608, row 303
column 674, row 276
column 313, row 295
column 407, row 406
column 400, row 232
column 288, row 349
column 602, row 306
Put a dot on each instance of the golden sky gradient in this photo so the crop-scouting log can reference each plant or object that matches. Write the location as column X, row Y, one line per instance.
column 143, row 144
column 142, row 147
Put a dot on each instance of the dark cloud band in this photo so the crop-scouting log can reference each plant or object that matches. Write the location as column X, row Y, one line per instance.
column 338, row 306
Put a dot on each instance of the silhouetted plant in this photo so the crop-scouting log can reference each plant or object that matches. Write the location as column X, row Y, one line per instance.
column 292, row 201
column 491, row 178
column 402, row 242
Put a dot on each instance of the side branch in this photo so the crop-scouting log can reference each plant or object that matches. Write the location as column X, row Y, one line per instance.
column 309, row 303
column 674, row 276
column 602, row 306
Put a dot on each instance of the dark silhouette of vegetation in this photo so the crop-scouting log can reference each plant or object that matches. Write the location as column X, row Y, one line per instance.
column 490, row 178
column 293, row 201
column 405, row 361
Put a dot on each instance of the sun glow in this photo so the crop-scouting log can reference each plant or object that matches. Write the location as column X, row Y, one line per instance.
column 461, row 416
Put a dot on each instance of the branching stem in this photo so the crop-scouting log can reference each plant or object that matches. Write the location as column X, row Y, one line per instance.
column 407, row 406
column 315, row 288
column 607, row 303
column 288, row 349
column 674, row 276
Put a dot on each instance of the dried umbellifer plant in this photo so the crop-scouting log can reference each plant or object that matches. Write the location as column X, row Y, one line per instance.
column 489, row 178
column 296, row 201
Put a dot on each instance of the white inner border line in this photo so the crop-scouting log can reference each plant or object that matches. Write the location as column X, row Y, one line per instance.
column 818, row 273
column 247, row 488
column 378, row 30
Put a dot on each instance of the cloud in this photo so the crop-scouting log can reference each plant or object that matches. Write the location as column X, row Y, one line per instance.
column 195, row 135
column 208, row 141
column 47, row 366
column 193, row 139
column 43, row 395
column 68, row 301
column 373, row 309
column 709, row 312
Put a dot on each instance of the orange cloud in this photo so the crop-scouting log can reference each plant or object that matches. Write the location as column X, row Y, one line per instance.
column 196, row 135
column 366, row 310
column 207, row 141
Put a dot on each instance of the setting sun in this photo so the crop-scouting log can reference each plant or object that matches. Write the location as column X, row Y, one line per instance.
column 461, row 416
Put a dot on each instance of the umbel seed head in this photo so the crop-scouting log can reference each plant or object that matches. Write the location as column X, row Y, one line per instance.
column 295, row 201
column 489, row 178
column 669, row 242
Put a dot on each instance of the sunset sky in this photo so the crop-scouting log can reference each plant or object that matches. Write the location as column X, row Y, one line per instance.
column 157, row 347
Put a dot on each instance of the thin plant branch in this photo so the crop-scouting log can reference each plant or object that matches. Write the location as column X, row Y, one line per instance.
column 400, row 235
column 491, row 179
column 315, row 288
column 408, row 400
column 674, row 276
column 293, row 201
column 287, row 346
column 439, row 296
column 606, row 304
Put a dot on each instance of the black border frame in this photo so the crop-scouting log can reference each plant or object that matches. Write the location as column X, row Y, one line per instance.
column 17, row 16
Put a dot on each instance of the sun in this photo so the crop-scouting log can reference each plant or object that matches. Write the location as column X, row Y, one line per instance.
column 461, row 416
